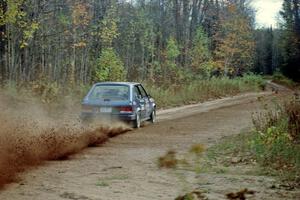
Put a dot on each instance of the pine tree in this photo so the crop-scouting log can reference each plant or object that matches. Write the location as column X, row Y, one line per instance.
column 291, row 39
column 200, row 54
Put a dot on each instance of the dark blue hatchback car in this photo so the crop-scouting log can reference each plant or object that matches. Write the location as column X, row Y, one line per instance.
column 121, row 101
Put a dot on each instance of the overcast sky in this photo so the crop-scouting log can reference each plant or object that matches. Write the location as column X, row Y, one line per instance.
column 267, row 11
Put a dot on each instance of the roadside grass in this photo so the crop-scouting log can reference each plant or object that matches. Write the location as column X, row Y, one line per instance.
column 271, row 148
column 61, row 97
column 56, row 96
column 234, row 155
column 283, row 80
column 203, row 90
column 276, row 143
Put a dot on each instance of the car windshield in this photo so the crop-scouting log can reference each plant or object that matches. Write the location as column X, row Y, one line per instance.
column 110, row 93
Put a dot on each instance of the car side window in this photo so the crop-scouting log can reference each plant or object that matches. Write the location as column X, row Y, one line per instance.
column 142, row 90
column 136, row 92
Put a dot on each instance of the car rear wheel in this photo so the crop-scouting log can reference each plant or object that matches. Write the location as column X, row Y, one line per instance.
column 153, row 117
column 137, row 122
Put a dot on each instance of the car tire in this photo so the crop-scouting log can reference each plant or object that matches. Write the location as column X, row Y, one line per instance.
column 137, row 121
column 153, row 116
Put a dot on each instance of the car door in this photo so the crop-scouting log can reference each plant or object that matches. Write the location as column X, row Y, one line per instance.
column 138, row 97
column 147, row 108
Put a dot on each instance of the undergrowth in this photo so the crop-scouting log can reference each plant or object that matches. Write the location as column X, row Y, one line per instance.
column 56, row 95
column 283, row 80
column 276, row 142
column 203, row 90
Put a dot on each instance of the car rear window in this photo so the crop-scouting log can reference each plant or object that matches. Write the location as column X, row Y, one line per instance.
column 110, row 93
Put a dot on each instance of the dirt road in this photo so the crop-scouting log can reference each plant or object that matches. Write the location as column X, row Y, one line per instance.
column 126, row 166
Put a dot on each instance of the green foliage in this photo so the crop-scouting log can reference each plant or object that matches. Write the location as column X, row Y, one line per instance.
column 257, row 81
column 170, row 68
column 29, row 30
column 201, row 90
column 156, row 41
column 201, row 59
column 205, row 70
column 290, row 39
column 283, row 80
column 64, row 19
column 276, row 138
column 109, row 67
column 15, row 16
column 13, row 12
column 172, row 50
column 109, row 28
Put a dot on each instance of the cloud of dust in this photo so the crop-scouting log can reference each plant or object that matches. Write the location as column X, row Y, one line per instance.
column 29, row 135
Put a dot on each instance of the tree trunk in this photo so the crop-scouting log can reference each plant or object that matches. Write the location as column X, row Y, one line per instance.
column 3, row 46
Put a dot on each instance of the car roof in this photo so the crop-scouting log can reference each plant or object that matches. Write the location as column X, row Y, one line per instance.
column 118, row 83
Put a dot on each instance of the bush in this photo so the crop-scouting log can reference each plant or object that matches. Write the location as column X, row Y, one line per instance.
column 281, row 79
column 276, row 140
column 203, row 90
column 293, row 113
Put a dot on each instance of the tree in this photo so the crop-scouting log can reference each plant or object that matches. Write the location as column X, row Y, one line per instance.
column 62, row 41
column 109, row 31
column 170, row 69
column 200, row 54
column 80, row 21
column 265, row 51
column 109, row 67
column 291, row 39
column 235, row 42
column 3, row 41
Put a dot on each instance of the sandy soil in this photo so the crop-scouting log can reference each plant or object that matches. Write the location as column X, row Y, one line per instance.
column 126, row 166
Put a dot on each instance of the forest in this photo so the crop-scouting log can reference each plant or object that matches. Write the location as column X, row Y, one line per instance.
column 78, row 42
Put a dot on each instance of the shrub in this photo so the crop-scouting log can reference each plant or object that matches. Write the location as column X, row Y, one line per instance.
column 276, row 140
column 293, row 113
column 281, row 79
column 202, row 90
